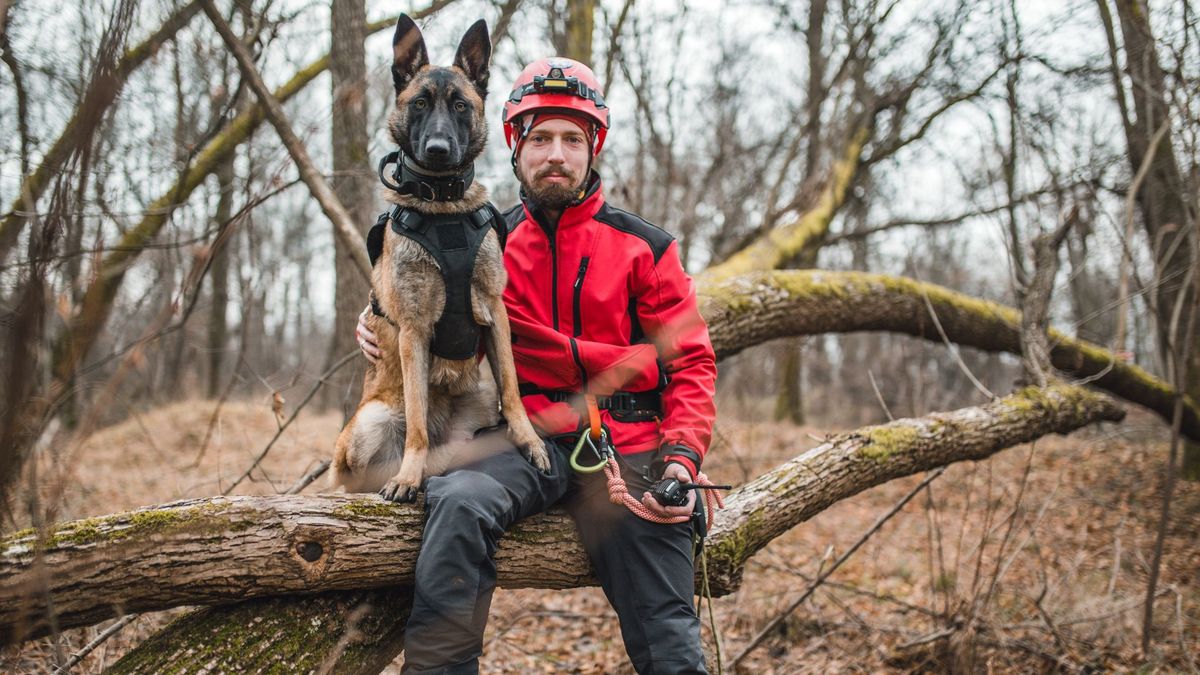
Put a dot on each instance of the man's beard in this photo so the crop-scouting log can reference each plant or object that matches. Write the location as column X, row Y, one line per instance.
column 552, row 196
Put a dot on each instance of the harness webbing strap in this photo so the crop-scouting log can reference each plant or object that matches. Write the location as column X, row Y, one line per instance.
column 620, row 401
column 453, row 240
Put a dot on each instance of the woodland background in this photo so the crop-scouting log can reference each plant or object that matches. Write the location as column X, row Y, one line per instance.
column 173, row 301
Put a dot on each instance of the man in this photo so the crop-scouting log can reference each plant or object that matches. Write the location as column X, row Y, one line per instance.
column 599, row 303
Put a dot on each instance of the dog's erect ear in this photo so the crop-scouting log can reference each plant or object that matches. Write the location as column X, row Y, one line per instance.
column 473, row 54
column 408, row 52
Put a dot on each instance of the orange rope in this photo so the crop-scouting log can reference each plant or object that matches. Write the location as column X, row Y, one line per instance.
column 618, row 493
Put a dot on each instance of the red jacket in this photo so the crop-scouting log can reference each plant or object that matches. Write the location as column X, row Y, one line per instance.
column 595, row 304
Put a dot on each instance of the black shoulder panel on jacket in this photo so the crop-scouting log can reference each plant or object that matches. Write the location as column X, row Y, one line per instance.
column 514, row 216
column 657, row 238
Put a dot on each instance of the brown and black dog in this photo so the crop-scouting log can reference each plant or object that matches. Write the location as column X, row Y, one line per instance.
column 419, row 409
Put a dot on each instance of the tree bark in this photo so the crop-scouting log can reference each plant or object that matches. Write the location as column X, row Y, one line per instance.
column 224, row 549
column 571, row 29
column 353, row 183
column 1170, row 225
column 755, row 308
column 217, row 333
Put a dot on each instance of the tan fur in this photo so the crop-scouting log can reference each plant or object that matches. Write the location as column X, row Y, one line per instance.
column 427, row 405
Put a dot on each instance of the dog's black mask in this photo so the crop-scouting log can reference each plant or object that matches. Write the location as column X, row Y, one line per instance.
column 438, row 121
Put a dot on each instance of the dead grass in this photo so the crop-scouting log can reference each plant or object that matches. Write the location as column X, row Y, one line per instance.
column 913, row 599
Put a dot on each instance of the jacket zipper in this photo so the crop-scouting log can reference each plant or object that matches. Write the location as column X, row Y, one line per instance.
column 576, row 312
column 553, row 281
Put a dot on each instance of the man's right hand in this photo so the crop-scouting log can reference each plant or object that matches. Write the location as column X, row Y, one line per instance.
column 367, row 341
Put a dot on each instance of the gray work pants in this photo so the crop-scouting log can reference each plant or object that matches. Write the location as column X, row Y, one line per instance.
column 646, row 569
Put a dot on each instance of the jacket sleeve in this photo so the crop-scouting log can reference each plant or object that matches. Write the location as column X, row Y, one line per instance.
column 551, row 360
column 670, row 317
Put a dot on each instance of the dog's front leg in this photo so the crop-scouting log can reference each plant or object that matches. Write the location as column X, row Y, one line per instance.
column 500, row 358
column 414, row 366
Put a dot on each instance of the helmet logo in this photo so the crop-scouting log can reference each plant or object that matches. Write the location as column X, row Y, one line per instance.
column 558, row 64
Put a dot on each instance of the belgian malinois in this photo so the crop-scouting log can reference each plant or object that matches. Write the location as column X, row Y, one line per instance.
column 412, row 399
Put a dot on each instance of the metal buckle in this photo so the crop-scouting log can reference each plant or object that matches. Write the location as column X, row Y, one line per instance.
column 621, row 401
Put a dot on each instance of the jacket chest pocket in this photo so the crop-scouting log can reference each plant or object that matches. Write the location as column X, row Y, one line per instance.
column 577, row 296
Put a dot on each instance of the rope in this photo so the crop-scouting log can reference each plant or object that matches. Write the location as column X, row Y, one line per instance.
column 618, row 493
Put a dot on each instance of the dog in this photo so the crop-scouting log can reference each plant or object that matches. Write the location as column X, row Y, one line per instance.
column 419, row 409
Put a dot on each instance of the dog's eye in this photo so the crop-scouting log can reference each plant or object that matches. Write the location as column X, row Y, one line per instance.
column 460, row 106
column 419, row 104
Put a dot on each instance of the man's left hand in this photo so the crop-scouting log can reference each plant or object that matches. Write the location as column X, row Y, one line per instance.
column 679, row 473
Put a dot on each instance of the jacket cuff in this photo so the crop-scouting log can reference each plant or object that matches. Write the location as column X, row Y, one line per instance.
column 680, row 454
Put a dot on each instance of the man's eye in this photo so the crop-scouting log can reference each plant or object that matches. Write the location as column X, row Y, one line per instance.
column 419, row 104
column 460, row 106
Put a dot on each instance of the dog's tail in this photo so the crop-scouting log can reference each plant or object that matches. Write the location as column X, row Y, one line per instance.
column 369, row 449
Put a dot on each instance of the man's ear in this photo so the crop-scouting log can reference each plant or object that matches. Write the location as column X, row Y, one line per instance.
column 408, row 52
column 473, row 54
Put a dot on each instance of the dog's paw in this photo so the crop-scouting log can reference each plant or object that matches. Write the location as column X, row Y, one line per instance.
column 397, row 490
column 534, row 449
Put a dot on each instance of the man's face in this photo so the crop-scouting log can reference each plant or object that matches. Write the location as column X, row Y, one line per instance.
column 552, row 164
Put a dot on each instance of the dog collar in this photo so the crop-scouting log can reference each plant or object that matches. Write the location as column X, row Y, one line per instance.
column 408, row 181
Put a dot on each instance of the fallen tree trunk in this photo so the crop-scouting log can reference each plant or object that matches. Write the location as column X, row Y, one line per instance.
column 222, row 550
column 758, row 307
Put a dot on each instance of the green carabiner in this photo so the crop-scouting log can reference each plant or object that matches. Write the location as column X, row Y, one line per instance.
column 585, row 437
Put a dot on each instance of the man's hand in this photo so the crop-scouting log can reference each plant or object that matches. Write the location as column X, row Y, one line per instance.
column 679, row 473
column 367, row 341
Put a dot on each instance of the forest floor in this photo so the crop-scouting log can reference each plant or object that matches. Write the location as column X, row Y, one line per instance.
column 1036, row 560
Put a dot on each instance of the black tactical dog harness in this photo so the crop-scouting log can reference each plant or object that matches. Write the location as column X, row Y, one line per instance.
column 453, row 240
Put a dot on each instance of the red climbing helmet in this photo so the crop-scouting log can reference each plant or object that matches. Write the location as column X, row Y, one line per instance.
column 555, row 85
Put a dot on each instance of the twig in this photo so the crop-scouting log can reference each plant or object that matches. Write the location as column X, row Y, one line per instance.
column 1132, row 603
column 954, row 348
column 1178, row 357
column 758, row 639
column 926, row 639
column 307, row 479
column 903, row 606
column 1179, row 630
column 879, row 396
column 212, row 421
column 96, row 642
column 308, row 397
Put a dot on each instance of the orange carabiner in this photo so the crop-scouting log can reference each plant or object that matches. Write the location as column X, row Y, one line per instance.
column 593, row 416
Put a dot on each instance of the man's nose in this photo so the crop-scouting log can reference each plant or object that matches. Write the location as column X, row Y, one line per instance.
column 556, row 156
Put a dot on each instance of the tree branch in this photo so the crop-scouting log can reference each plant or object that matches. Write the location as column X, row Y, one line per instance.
column 763, row 306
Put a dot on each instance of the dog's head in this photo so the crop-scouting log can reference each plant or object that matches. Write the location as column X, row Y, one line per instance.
column 438, row 120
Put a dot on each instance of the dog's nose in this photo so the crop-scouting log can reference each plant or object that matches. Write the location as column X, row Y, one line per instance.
column 438, row 147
